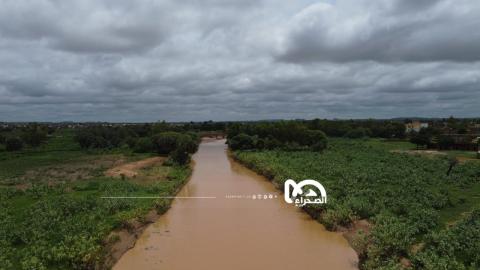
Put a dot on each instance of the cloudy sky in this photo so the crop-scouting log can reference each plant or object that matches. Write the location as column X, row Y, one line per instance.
column 148, row 60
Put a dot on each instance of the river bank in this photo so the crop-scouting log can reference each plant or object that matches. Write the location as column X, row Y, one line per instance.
column 349, row 232
column 215, row 224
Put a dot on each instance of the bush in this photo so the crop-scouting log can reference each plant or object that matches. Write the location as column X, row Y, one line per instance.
column 143, row 145
column 271, row 143
column 165, row 142
column 180, row 156
column 390, row 237
column 188, row 143
column 358, row 133
column 241, row 142
column 445, row 142
column 13, row 144
column 339, row 216
column 101, row 137
column 317, row 140
column 34, row 136
column 421, row 139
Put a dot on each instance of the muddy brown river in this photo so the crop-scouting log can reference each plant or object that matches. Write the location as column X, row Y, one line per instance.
column 234, row 233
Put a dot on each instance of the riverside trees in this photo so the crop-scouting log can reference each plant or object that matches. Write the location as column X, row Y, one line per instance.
column 291, row 135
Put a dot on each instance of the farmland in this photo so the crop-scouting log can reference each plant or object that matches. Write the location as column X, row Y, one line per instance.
column 419, row 216
column 53, row 213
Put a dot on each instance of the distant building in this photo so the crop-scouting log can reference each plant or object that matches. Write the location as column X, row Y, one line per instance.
column 415, row 126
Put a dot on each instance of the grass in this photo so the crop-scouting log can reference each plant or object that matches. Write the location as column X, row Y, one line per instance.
column 464, row 154
column 465, row 200
column 390, row 144
column 406, row 145
column 407, row 198
column 58, row 223
column 61, row 149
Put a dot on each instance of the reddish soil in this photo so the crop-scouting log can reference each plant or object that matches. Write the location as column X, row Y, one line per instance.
column 131, row 169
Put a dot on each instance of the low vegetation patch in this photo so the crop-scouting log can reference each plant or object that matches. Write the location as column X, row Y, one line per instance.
column 403, row 196
column 55, row 214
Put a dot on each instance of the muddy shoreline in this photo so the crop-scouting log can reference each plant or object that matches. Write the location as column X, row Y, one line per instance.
column 118, row 242
column 348, row 233
column 171, row 230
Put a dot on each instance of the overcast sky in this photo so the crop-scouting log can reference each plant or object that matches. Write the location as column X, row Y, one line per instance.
column 182, row 60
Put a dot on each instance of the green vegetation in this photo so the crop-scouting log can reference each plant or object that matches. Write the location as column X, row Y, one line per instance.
column 359, row 128
column 288, row 135
column 53, row 214
column 408, row 199
column 13, row 144
column 358, row 133
column 66, row 226
column 160, row 138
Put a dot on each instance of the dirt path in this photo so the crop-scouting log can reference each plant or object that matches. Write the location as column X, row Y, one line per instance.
column 131, row 169
column 420, row 152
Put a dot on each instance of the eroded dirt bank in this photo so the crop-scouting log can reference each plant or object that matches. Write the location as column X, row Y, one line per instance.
column 234, row 233
column 131, row 169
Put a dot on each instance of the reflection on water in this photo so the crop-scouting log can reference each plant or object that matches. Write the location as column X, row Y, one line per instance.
column 221, row 233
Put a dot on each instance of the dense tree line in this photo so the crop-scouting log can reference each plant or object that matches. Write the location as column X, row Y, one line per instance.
column 161, row 138
column 434, row 137
column 15, row 139
column 291, row 135
column 359, row 128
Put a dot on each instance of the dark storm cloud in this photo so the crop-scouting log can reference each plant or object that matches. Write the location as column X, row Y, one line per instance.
column 237, row 60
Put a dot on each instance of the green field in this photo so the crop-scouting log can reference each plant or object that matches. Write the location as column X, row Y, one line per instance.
column 51, row 220
column 409, row 200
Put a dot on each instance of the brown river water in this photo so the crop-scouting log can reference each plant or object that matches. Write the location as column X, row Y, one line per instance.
column 234, row 233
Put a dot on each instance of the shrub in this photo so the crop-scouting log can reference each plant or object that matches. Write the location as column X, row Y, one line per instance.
column 420, row 139
column 390, row 237
column 357, row 133
column 143, row 145
column 242, row 141
column 34, row 136
column 445, row 142
column 13, row 144
column 102, row 137
column 316, row 139
column 188, row 143
column 180, row 156
column 165, row 142
column 339, row 216
column 271, row 143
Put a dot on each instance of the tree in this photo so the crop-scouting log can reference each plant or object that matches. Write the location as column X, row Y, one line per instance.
column 180, row 156
column 102, row 137
column 34, row 136
column 357, row 133
column 188, row 143
column 420, row 139
column 166, row 142
column 143, row 145
column 452, row 162
column 241, row 141
column 317, row 140
column 445, row 142
column 13, row 144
